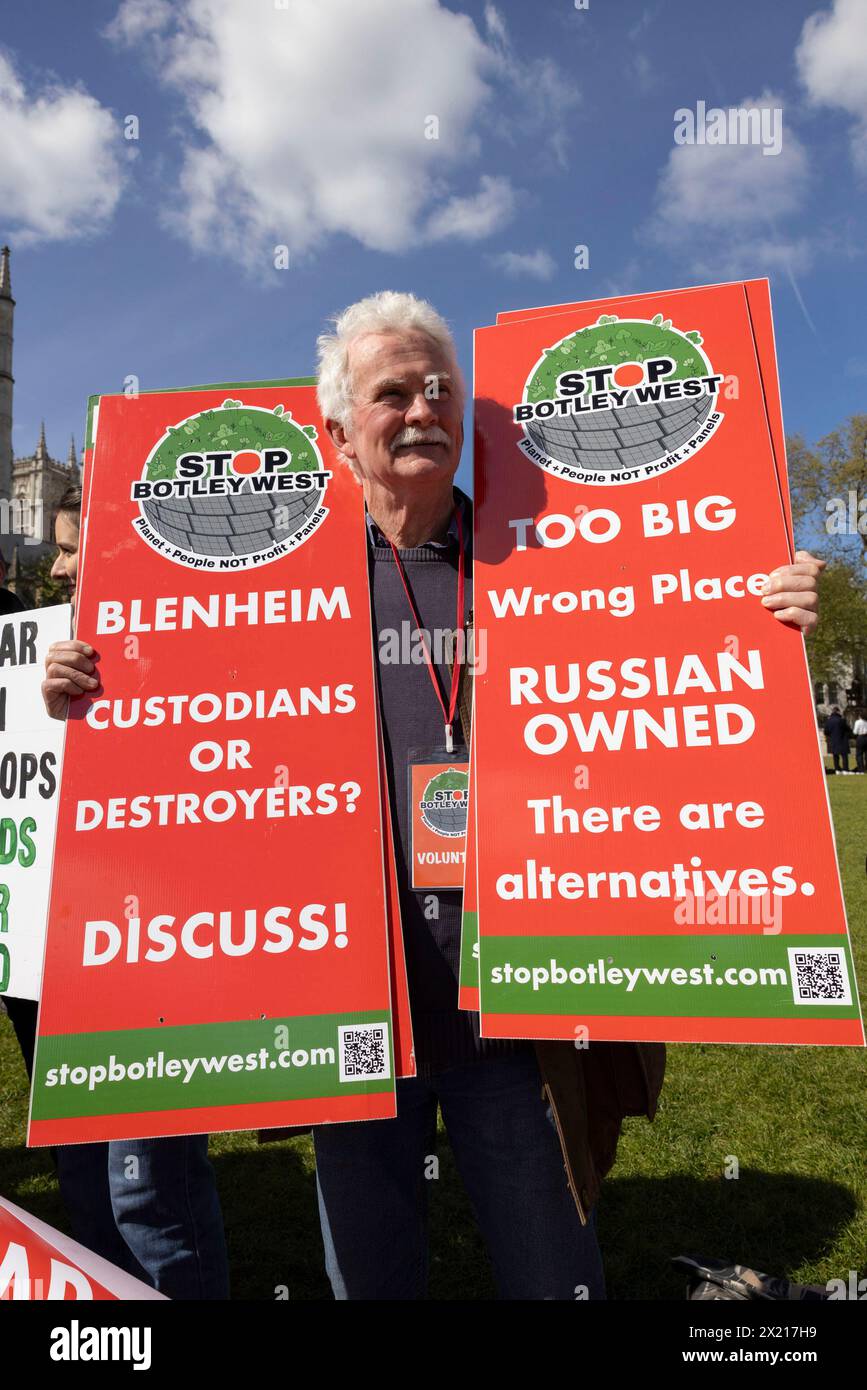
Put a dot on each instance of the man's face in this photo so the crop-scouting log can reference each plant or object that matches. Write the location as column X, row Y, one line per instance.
column 65, row 567
column 407, row 416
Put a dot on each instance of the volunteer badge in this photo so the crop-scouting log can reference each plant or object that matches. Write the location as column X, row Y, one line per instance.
column 438, row 823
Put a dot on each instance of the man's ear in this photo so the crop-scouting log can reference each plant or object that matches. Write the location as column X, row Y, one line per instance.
column 337, row 435
column 344, row 447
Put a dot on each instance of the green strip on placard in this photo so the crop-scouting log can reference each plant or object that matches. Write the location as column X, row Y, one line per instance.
column 675, row 976
column 233, row 385
column 469, row 977
column 225, row 1064
column 92, row 403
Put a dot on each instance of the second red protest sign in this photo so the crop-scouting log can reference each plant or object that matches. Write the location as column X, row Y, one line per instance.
column 656, row 876
column 217, row 946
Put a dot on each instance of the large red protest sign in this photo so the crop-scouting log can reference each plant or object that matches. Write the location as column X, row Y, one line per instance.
column 759, row 306
column 643, row 717
column 217, row 948
column 38, row 1263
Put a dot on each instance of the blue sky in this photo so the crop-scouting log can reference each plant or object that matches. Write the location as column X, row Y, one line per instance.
column 302, row 124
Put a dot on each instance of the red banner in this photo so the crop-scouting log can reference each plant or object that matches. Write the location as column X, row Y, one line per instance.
column 217, row 944
column 655, row 878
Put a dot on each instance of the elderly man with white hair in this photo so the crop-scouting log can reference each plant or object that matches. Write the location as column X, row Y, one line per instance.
column 533, row 1127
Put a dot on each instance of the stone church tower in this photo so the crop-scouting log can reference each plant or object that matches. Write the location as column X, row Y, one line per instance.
column 7, row 313
column 38, row 483
column 30, row 487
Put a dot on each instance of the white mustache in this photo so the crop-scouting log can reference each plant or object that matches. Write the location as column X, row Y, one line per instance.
column 415, row 436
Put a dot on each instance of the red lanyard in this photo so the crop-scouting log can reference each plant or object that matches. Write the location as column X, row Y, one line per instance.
column 448, row 714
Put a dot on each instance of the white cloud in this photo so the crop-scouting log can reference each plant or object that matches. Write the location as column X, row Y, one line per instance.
column 724, row 208
column 537, row 97
column 60, row 160
column 496, row 25
column 136, row 19
column 309, row 121
column 832, row 62
column 626, row 279
column 538, row 264
column 644, row 20
column 643, row 72
column 476, row 216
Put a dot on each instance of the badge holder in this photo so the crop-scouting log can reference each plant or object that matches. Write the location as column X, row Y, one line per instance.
column 437, row 787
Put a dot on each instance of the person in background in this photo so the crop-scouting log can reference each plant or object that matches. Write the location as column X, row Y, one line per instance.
column 860, row 732
column 149, row 1206
column 9, row 602
column 22, row 1012
column 837, row 735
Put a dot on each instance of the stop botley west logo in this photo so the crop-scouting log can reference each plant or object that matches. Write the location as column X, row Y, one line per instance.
column 619, row 402
column 443, row 804
column 231, row 488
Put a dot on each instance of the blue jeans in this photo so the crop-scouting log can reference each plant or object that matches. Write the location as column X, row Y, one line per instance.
column 151, row 1207
column 372, row 1185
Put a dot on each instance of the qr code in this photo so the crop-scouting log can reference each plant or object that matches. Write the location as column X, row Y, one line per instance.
column 364, row 1052
column 819, row 975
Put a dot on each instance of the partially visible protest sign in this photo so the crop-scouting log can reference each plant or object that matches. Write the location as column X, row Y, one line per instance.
column 660, row 876
column 468, row 979
column 30, row 750
column 217, row 953
column 38, row 1263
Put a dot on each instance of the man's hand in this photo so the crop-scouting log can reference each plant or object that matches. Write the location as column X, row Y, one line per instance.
column 69, row 672
column 791, row 591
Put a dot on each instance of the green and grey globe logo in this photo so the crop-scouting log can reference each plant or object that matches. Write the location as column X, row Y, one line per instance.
column 443, row 804
column 232, row 487
column 619, row 401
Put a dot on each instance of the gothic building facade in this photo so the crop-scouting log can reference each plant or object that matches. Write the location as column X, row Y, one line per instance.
column 30, row 487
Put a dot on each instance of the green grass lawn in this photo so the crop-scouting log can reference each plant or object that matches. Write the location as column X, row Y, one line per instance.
column 794, row 1118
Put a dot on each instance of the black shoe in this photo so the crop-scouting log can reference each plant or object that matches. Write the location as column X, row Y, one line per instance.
column 716, row 1280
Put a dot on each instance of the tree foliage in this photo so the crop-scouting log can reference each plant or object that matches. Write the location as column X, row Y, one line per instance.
column 837, row 649
column 829, row 482
column 829, row 508
column 35, row 586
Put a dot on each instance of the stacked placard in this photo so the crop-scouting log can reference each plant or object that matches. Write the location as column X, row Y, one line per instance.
column 666, row 869
column 217, row 953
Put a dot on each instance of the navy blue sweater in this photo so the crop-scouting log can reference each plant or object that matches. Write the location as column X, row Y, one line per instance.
column 412, row 718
